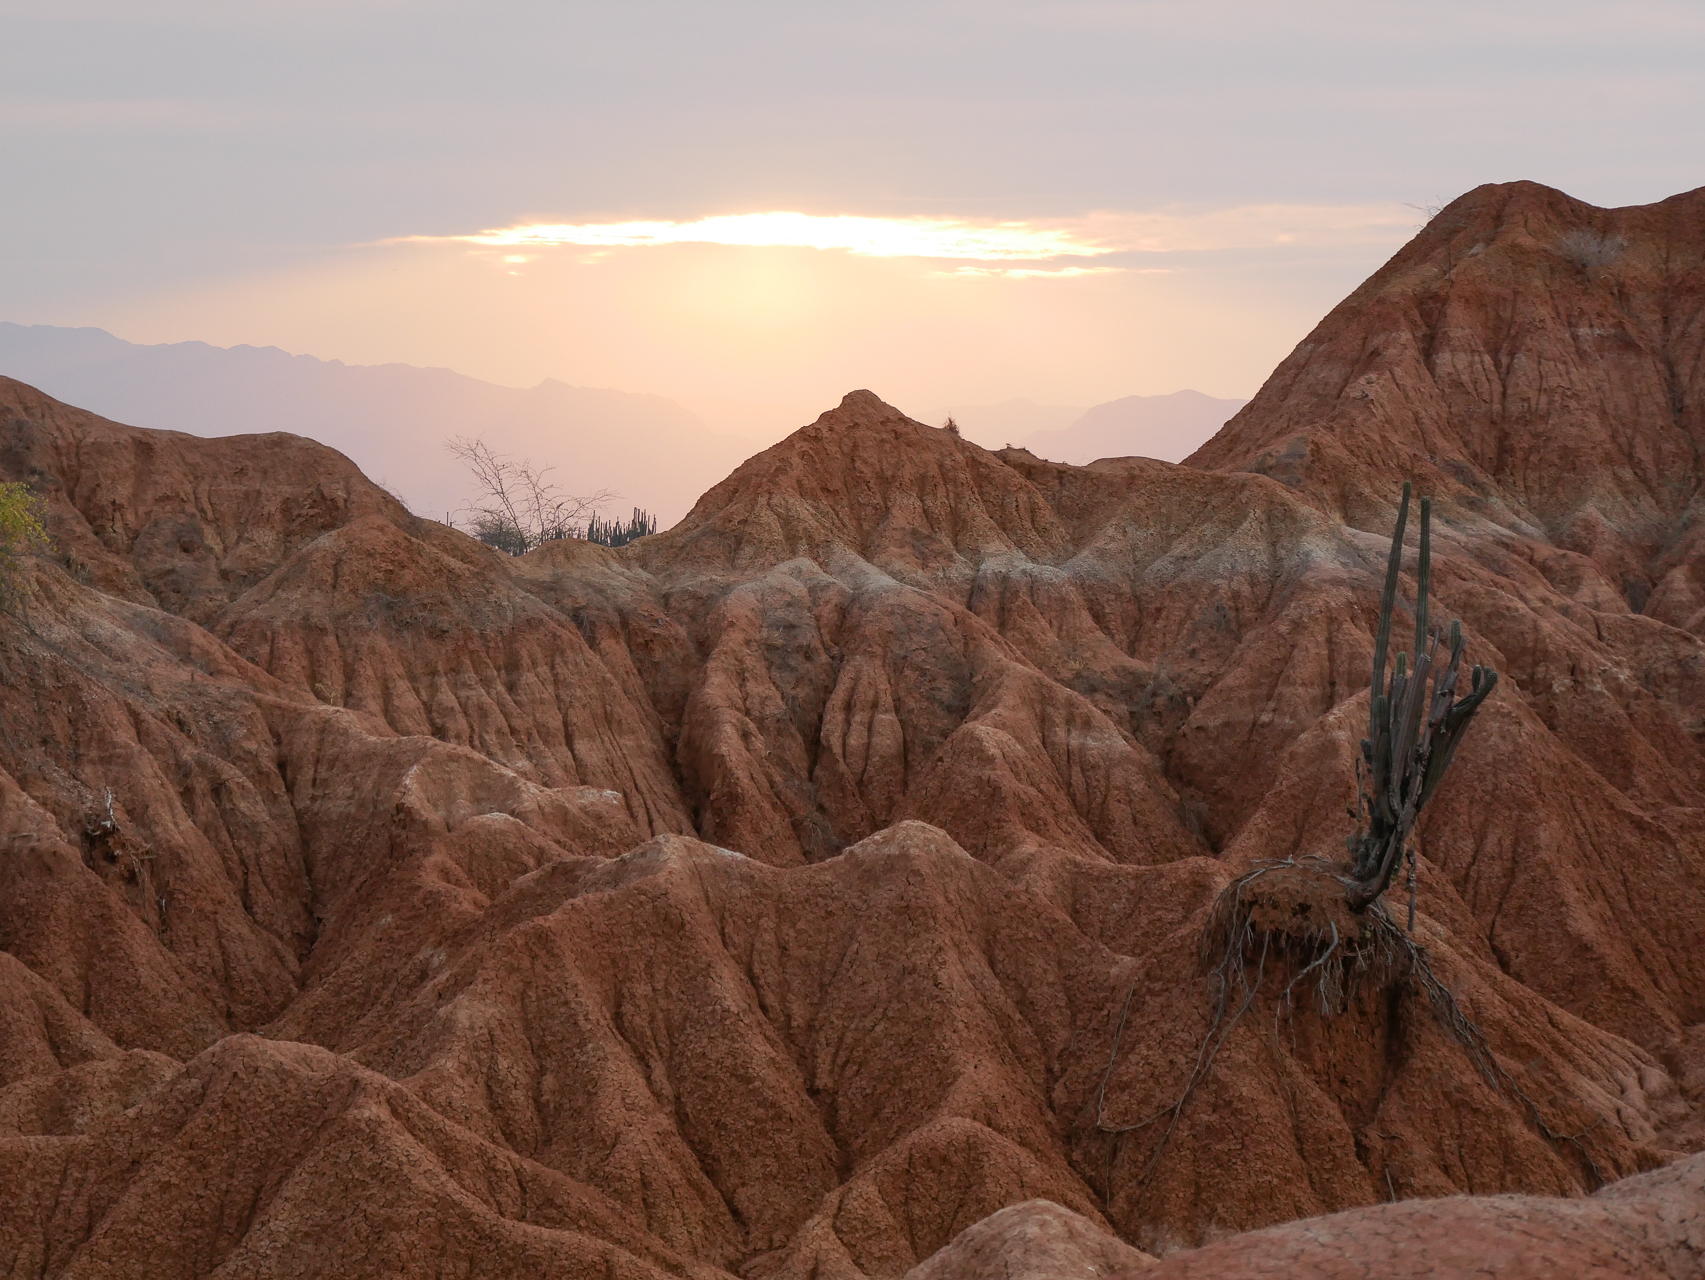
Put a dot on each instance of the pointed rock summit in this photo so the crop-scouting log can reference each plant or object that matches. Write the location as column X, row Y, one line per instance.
column 1531, row 360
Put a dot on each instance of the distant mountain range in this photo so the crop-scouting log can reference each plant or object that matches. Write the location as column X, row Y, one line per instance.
column 994, row 426
column 392, row 420
column 1169, row 427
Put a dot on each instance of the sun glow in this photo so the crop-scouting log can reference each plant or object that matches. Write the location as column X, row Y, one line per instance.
column 1047, row 273
column 1036, row 249
column 869, row 237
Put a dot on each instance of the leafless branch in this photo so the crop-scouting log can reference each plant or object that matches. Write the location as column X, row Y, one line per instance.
column 518, row 506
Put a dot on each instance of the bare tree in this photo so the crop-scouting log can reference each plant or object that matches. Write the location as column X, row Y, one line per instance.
column 1428, row 211
column 518, row 507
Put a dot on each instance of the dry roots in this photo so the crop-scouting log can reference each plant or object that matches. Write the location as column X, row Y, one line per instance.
column 1293, row 918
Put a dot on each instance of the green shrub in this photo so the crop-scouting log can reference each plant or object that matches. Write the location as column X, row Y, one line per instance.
column 22, row 531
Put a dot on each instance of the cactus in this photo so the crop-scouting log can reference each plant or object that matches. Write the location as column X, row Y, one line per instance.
column 1412, row 735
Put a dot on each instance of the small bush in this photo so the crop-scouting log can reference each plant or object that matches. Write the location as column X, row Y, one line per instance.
column 1590, row 250
column 497, row 532
column 22, row 531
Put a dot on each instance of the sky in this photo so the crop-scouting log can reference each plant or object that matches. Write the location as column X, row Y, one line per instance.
column 755, row 207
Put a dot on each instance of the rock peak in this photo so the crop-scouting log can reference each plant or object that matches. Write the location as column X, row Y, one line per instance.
column 862, row 399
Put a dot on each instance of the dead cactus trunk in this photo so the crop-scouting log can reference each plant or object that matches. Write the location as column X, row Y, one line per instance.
column 1301, row 926
column 1412, row 734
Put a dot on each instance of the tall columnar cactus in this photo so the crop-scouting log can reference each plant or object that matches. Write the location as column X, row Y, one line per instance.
column 1412, row 734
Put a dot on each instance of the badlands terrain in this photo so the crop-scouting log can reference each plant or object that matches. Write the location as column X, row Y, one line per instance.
column 814, row 891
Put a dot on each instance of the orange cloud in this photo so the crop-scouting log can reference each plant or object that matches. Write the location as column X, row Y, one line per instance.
column 869, row 237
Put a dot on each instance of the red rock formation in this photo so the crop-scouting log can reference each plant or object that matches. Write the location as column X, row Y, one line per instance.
column 789, row 892
column 1030, row 1241
column 1531, row 360
column 1648, row 1226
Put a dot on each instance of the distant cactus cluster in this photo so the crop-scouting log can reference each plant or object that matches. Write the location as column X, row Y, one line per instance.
column 614, row 533
column 1412, row 733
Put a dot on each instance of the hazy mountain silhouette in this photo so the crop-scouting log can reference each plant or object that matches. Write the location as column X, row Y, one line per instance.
column 390, row 419
column 994, row 426
column 1167, row 427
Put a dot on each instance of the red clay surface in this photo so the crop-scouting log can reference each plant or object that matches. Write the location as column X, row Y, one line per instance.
column 789, row 892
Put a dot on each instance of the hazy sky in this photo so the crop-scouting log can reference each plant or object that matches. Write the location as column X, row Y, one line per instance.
column 319, row 175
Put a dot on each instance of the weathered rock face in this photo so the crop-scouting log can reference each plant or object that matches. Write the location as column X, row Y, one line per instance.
column 1531, row 360
column 789, row 892
column 1035, row 1240
column 1649, row 1225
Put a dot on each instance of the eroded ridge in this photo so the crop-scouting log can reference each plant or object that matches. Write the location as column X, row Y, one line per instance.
column 786, row 893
